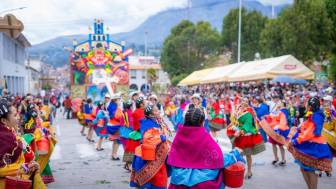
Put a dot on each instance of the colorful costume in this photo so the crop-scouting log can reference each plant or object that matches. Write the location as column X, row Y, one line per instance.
column 329, row 128
column 204, row 168
column 278, row 123
column 249, row 140
column 128, row 154
column 115, row 122
column 309, row 148
column 179, row 120
column 148, row 168
column 135, row 136
column 217, row 118
column 12, row 158
column 100, row 124
column 261, row 111
column 88, row 110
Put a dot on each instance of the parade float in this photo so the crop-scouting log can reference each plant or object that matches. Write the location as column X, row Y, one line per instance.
column 99, row 65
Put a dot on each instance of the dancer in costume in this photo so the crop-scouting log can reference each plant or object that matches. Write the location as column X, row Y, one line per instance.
column 309, row 148
column 135, row 136
column 116, row 120
column 196, row 102
column 202, row 169
column 247, row 136
column 149, row 167
column 124, row 133
column 12, row 159
column 278, row 121
column 100, row 125
column 261, row 109
column 88, row 110
column 179, row 120
column 155, row 102
column 217, row 118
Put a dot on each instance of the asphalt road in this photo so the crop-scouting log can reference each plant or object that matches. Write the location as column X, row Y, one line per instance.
column 77, row 165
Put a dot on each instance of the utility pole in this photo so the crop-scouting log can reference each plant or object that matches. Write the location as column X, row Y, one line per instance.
column 146, row 34
column 239, row 30
column 10, row 10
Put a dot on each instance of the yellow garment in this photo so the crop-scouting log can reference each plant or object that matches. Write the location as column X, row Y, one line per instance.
column 45, row 112
column 11, row 170
column 44, row 159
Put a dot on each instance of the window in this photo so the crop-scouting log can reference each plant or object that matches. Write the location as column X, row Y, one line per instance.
column 143, row 74
column 133, row 74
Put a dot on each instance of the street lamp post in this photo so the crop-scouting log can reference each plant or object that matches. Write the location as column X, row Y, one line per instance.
column 10, row 10
column 239, row 29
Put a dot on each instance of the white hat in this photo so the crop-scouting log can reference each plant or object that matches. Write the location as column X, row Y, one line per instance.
column 131, row 94
column 328, row 98
column 153, row 96
column 107, row 95
column 196, row 95
column 115, row 96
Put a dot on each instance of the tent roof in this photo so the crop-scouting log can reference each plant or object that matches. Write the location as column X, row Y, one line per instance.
column 250, row 71
column 195, row 77
column 270, row 68
column 220, row 74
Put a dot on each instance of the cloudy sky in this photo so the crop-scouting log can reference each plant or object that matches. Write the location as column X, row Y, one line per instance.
column 47, row 19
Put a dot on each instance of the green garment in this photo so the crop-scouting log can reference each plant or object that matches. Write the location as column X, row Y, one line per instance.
column 246, row 123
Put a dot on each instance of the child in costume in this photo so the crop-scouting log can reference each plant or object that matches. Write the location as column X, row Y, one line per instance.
column 124, row 135
column 309, row 148
column 190, row 163
column 100, row 125
column 149, row 164
column 247, row 136
column 278, row 122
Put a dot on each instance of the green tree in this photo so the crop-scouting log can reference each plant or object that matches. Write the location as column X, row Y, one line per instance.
column 253, row 23
column 303, row 30
column 331, row 10
column 187, row 47
column 151, row 76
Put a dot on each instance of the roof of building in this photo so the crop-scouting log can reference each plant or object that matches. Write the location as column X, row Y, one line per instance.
column 145, row 66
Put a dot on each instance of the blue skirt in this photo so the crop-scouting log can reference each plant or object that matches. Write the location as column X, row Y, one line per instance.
column 113, row 129
column 125, row 131
column 315, row 150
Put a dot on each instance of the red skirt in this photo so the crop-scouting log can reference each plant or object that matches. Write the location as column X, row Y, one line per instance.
column 248, row 141
column 131, row 145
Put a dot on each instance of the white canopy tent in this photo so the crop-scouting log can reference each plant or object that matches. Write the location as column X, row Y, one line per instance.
column 270, row 68
column 251, row 71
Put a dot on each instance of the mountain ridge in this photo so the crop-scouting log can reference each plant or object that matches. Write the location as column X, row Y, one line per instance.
column 157, row 28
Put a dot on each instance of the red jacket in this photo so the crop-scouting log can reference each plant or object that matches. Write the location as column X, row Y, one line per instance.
column 137, row 115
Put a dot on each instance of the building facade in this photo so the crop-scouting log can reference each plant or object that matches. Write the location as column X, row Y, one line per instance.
column 138, row 73
column 13, row 73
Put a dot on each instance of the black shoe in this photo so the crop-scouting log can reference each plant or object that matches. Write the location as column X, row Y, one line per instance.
column 275, row 162
column 282, row 163
column 115, row 159
column 249, row 176
column 328, row 174
column 99, row 149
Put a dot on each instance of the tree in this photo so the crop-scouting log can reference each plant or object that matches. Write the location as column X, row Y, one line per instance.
column 331, row 10
column 303, row 30
column 187, row 47
column 253, row 23
column 151, row 76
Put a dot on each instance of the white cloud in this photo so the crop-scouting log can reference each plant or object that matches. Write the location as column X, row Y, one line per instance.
column 275, row 2
column 46, row 19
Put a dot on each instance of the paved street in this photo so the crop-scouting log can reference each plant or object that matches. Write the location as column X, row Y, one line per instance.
column 77, row 165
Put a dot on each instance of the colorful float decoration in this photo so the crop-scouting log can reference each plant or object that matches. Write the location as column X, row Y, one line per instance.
column 98, row 65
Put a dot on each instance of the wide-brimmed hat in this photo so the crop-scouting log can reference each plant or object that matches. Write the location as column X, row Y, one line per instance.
column 196, row 95
column 115, row 96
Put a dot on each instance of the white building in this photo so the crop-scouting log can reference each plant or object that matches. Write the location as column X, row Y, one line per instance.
column 34, row 70
column 138, row 72
column 12, row 63
column 13, row 44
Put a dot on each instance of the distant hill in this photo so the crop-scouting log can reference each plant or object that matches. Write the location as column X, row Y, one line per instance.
column 158, row 27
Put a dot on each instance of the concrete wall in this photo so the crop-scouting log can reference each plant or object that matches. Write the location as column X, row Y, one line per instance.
column 12, row 67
